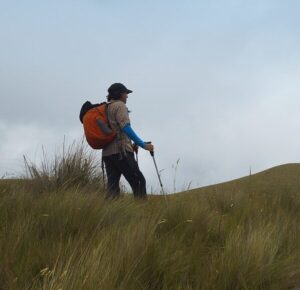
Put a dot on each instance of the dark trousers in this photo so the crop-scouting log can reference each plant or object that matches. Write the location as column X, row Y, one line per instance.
column 118, row 164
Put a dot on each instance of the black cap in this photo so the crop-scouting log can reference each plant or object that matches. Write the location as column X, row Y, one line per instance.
column 118, row 88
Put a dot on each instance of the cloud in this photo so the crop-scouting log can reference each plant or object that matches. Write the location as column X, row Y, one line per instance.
column 218, row 91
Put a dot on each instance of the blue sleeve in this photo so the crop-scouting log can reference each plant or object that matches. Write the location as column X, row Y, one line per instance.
column 132, row 135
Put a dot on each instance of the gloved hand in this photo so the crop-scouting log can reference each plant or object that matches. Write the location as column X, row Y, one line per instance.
column 149, row 147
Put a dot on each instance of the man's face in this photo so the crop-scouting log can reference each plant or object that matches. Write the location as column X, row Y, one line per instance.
column 124, row 97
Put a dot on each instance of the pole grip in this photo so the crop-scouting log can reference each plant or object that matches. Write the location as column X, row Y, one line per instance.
column 151, row 152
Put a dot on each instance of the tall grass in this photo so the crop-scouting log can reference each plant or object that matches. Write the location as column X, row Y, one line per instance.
column 218, row 240
column 75, row 241
column 74, row 166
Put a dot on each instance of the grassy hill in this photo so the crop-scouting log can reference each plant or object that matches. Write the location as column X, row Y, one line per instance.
column 278, row 179
column 242, row 234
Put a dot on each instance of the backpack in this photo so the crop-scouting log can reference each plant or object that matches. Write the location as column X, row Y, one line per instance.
column 97, row 129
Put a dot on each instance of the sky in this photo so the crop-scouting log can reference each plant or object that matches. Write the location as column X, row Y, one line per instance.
column 215, row 83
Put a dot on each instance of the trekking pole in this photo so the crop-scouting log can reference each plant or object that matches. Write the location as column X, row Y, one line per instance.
column 136, row 154
column 162, row 188
column 103, row 173
column 161, row 185
column 137, row 158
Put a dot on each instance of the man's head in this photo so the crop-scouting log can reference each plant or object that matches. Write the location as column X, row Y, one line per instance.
column 118, row 91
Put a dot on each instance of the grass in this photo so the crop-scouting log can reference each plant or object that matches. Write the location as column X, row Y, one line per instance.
column 242, row 234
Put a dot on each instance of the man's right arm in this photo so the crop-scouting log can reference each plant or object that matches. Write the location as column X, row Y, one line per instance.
column 122, row 118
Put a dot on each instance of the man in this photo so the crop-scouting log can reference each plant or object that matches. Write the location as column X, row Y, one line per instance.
column 118, row 156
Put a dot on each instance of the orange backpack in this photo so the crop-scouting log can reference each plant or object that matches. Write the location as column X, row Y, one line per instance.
column 97, row 129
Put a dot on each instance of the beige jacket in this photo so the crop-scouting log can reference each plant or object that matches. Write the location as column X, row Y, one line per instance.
column 118, row 117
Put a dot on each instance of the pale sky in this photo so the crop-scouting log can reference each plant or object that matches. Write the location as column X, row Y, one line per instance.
column 215, row 83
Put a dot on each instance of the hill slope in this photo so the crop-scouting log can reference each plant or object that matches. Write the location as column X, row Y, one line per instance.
column 278, row 179
column 242, row 234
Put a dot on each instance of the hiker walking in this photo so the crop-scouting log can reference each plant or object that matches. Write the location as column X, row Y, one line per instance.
column 118, row 155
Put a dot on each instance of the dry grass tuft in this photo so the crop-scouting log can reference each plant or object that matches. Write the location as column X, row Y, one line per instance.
column 75, row 166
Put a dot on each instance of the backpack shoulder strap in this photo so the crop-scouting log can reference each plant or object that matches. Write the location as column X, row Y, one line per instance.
column 105, row 112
